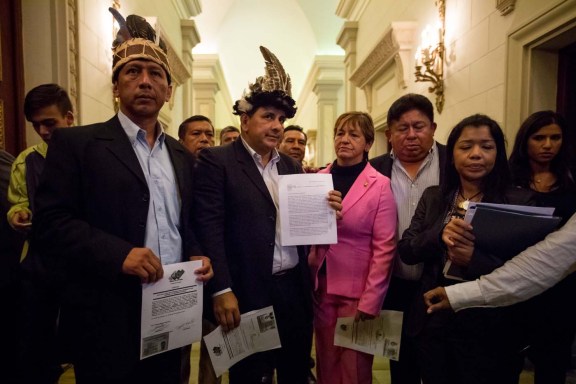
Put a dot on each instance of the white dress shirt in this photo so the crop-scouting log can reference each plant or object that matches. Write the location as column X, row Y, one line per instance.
column 526, row 275
column 285, row 257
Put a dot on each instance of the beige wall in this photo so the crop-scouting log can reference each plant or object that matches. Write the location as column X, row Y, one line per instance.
column 499, row 65
column 81, row 60
column 487, row 69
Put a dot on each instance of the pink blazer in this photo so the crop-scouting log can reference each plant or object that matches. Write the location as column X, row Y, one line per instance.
column 360, row 264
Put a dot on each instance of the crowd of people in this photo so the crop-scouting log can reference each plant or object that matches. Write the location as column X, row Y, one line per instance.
column 103, row 207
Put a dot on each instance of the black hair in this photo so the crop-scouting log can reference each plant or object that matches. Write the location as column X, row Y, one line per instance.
column 182, row 128
column 520, row 160
column 408, row 103
column 228, row 129
column 277, row 99
column 498, row 180
column 44, row 96
column 296, row 128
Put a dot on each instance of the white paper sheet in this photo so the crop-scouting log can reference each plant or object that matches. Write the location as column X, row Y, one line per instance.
column 305, row 215
column 257, row 332
column 380, row 336
column 171, row 310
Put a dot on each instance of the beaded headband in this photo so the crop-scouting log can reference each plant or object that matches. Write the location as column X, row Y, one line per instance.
column 136, row 39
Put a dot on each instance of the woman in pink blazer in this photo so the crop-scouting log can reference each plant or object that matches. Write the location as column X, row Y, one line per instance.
column 351, row 277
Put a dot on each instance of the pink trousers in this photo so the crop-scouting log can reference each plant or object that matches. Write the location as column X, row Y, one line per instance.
column 336, row 365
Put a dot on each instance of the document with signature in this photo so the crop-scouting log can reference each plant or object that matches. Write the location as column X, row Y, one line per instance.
column 379, row 336
column 171, row 310
column 257, row 332
column 305, row 215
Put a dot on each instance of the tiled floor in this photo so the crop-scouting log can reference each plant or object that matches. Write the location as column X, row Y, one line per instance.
column 380, row 372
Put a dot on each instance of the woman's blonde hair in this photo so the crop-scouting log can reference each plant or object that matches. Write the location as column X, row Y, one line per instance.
column 361, row 120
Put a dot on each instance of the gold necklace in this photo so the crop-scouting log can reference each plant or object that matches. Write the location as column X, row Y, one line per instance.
column 542, row 184
column 464, row 204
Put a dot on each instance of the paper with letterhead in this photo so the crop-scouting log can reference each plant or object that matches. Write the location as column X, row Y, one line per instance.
column 305, row 214
column 380, row 336
column 171, row 310
column 257, row 332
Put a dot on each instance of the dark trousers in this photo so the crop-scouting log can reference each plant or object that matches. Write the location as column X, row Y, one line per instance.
column 484, row 346
column 39, row 355
column 9, row 322
column 164, row 368
column 474, row 346
column 294, row 320
column 434, row 357
column 551, row 325
column 400, row 297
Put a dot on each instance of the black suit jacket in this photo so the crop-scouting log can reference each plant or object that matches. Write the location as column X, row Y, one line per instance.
column 92, row 206
column 422, row 242
column 383, row 163
column 235, row 217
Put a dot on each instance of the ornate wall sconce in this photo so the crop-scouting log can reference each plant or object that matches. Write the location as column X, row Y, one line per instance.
column 430, row 58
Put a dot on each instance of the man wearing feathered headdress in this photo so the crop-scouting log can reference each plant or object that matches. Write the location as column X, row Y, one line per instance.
column 113, row 206
column 236, row 213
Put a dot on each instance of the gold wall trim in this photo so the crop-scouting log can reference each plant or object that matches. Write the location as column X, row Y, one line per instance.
column 2, row 131
column 1, row 70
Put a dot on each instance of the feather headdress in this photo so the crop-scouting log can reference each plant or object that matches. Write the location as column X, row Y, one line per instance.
column 276, row 78
column 136, row 39
column 272, row 89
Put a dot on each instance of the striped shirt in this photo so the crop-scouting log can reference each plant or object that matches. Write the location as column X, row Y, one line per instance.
column 407, row 193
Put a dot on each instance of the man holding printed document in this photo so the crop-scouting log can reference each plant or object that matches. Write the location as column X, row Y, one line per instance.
column 113, row 208
column 237, row 212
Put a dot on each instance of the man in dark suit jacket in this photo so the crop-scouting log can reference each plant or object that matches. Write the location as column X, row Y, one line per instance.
column 415, row 162
column 113, row 205
column 10, row 247
column 236, row 210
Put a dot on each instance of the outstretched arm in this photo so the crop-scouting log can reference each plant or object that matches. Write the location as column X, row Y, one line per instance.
column 526, row 275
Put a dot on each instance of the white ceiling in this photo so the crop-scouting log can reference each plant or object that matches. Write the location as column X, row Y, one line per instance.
column 294, row 30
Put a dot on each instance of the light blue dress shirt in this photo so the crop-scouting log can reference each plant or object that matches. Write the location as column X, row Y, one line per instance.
column 163, row 222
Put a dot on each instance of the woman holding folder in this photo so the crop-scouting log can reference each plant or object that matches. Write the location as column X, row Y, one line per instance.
column 351, row 277
column 472, row 346
column 540, row 161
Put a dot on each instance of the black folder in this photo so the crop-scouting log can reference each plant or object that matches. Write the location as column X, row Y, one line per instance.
column 505, row 230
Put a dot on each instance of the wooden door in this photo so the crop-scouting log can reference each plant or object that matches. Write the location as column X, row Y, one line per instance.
column 12, row 125
column 566, row 98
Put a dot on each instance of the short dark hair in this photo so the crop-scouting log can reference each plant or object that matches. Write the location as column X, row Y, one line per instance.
column 227, row 129
column 408, row 103
column 498, row 180
column 295, row 128
column 44, row 96
column 520, row 160
column 277, row 99
column 182, row 128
